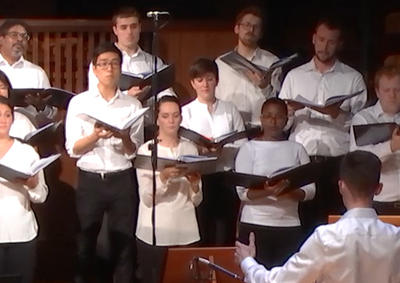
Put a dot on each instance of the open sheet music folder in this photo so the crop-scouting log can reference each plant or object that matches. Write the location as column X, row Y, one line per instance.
column 49, row 131
column 38, row 97
column 11, row 174
column 165, row 79
column 115, row 125
column 330, row 101
column 192, row 163
column 373, row 133
column 220, row 141
column 242, row 65
column 298, row 176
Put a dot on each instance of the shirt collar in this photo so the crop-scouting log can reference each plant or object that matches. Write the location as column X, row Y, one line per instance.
column 97, row 94
column 254, row 56
column 19, row 63
column 378, row 111
column 310, row 66
column 138, row 52
column 205, row 105
column 360, row 213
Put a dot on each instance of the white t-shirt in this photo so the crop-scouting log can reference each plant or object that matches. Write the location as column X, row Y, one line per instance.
column 264, row 158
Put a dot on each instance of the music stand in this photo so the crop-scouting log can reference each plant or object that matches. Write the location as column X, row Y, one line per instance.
column 181, row 265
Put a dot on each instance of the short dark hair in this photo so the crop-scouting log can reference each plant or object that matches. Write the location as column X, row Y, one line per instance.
column 125, row 12
column 103, row 48
column 333, row 23
column 7, row 101
column 253, row 10
column 5, row 80
column 9, row 23
column 361, row 171
column 386, row 71
column 165, row 99
column 276, row 101
column 202, row 66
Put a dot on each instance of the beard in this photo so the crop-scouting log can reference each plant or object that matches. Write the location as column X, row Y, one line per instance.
column 249, row 40
column 17, row 50
column 325, row 57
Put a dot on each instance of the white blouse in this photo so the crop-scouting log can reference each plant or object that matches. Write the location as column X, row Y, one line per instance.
column 176, row 222
column 17, row 220
column 264, row 158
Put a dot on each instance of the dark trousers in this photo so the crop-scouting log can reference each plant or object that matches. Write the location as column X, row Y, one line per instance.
column 114, row 194
column 274, row 244
column 327, row 198
column 151, row 261
column 17, row 262
column 218, row 212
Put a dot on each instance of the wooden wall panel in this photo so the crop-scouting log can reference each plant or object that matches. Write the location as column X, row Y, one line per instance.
column 63, row 48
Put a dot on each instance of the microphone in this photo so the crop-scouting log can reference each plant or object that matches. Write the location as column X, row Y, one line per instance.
column 218, row 268
column 155, row 14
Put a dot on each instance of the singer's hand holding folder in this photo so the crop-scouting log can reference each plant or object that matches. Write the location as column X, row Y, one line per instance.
column 192, row 163
column 165, row 79
column 297, row 176
column 243, row 66
column 40, row 97
column 113, row 124
column 338, row 99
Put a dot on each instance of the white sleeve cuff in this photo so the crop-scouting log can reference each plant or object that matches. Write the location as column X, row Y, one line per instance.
column 247, row 263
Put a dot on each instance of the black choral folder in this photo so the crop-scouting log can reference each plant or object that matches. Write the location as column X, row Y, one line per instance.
column 165, row 79
column 193, row 163
column 373, row 133
column 297, row 176
column 330, row 101
column 221, row 141
column 39, row 97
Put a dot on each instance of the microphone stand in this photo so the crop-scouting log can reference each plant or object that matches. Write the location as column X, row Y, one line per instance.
column 154, row 150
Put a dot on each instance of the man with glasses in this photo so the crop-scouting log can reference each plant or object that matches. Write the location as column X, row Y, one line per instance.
column 105, row 178
column 127, row 28
column 248, row 92
column 14, row 38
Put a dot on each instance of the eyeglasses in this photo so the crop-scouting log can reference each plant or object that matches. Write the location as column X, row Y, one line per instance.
column 105, row 64
column 15, row 35
column 249, row 26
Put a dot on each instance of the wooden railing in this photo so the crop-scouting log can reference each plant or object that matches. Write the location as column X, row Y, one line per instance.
column 63, row 48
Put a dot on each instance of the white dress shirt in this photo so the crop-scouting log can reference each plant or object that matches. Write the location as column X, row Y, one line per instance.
column 238, row 89
column 17, row 219
column 176, row 222
column 319, row 133
column 224, row 118
column 264, row 158
column 108, row 154
column 138, row 63
column 390, row 172
column 359, row 248
column 24, row 74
